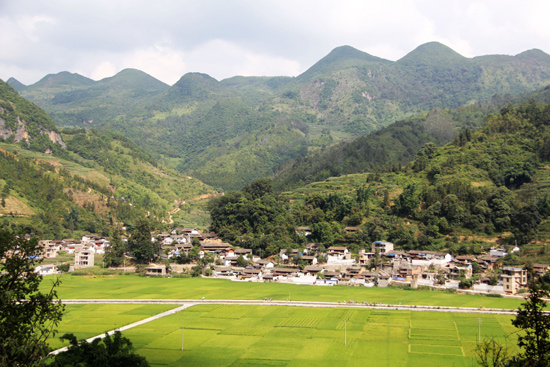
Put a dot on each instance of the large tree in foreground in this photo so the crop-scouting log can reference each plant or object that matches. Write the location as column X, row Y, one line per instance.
column 535, row 325
column 28, row 317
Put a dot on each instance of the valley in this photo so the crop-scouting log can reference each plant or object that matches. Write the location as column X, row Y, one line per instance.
column 387, row 186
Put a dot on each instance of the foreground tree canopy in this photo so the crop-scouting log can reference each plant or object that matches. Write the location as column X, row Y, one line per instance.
column 115, row 351
column 27, row 317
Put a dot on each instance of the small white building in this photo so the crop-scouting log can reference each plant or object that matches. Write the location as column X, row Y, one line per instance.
column 47, row 269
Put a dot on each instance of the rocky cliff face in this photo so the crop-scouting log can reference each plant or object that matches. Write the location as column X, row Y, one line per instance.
column 21, row 133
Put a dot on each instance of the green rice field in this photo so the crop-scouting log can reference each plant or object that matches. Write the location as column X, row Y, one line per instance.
column 235, row 335
column 134, row 287
column 86, row 321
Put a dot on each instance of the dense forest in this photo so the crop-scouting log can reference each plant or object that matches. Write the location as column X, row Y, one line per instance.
column 486, row 182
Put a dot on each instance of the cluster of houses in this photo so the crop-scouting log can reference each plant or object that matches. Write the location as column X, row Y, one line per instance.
column 83, row 250
column 337, row 265
column 381, row 265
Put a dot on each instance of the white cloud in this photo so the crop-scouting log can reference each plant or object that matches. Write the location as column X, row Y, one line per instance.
column 103, row 70
column 161, row 62
column 12, row 40
column 30, row 24
column 249, row 37
column 222, row 59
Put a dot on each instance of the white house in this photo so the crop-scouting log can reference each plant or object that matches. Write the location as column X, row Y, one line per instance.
column 47, row 269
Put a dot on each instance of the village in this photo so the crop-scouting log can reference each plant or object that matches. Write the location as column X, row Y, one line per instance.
column 381, row 265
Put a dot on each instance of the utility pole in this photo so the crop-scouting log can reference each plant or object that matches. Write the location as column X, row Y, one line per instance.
column 479, row 329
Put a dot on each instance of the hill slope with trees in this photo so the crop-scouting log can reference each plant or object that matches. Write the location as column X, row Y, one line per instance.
column 485, row 183
column 59, row 182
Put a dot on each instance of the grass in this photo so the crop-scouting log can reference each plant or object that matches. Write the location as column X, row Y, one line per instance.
column 134, row 287
column 295, row 336
column 235, row 335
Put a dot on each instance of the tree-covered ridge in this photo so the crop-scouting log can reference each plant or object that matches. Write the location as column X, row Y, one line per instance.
column 388, row 147
column 485, row 182
column 254, row 218
column 200, row 124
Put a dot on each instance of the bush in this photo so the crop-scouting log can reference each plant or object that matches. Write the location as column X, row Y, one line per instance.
column 63, row 267
column 466, row 284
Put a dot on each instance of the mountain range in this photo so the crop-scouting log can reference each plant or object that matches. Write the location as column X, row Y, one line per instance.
column 229, row 133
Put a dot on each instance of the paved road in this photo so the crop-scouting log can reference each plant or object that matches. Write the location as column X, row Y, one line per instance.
column 192, row 302
column 185, row 303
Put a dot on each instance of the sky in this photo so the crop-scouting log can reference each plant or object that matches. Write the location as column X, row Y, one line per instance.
column 224, row 38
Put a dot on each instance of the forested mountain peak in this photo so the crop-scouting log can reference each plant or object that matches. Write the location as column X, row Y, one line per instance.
column 461, row 197
column 63, row 78
column 55, row 182
column 194, row 86
column 534, row 54
column 339, row 58
column 16, row 84
column 432, row 53
column 133, row 78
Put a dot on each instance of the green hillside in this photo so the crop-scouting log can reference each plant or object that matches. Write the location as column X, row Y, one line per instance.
column 486, row 185
column 199, row 123
column 56, row 183
column 394, row 145
column 388, row 147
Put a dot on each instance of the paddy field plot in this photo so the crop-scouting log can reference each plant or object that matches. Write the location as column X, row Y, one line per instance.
column 235, row 335
column 134, row 287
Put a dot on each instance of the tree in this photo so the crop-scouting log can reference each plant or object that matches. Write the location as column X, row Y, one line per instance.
column 207, row 258
column 28, row 317
column 525, row 223
column 535, row 324
column 258, row 188
column 140, row 243
column 407, row 202
column 114, row 254
column 110, row 352
column 241, row 261
column 492, row 353
column 194, row 253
